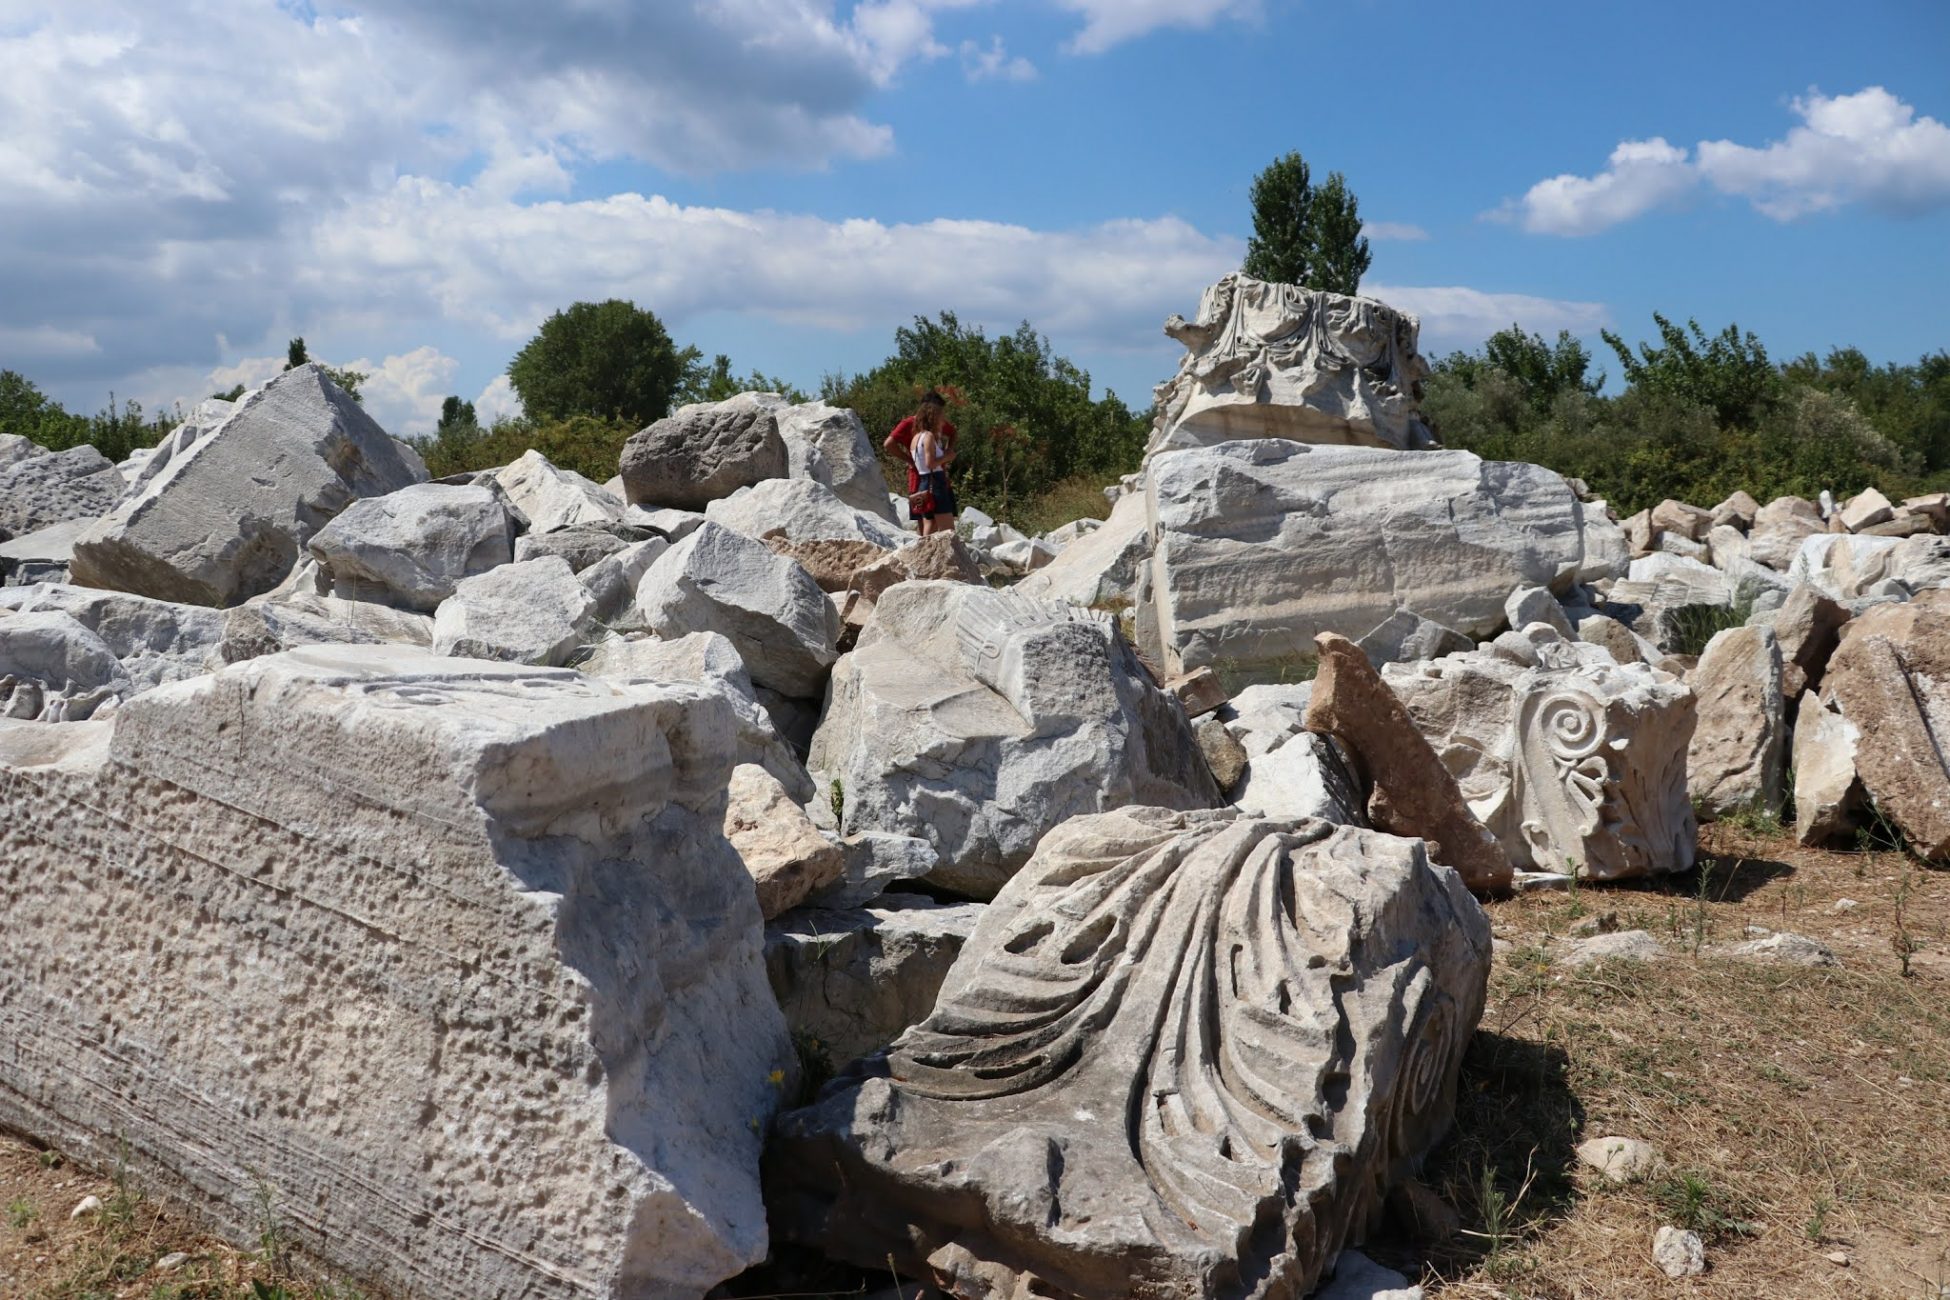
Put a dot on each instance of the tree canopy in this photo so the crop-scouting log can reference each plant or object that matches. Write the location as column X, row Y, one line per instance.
column 1303, row 234
column 606, row 360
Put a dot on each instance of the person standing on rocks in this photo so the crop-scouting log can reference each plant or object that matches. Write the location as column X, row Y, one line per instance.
column 926, row 440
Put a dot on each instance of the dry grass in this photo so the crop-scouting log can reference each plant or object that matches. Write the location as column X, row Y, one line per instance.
column 1080, row 497
column 118, row 1252
column 1802, row 1112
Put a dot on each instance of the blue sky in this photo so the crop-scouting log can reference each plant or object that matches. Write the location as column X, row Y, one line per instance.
column 413, row 186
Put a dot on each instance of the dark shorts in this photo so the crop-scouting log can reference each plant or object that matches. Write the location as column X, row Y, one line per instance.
column 940, row 493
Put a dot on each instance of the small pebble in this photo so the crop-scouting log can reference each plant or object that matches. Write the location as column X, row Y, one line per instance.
column 1838, row 1257
column 174, row 1260
column 1844, row 905
column 86, row 1205
column 1679, row 1253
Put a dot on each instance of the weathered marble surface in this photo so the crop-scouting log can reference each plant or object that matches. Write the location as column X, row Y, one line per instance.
column 1184, row 1055
column 1272, row 360
column 448, row 956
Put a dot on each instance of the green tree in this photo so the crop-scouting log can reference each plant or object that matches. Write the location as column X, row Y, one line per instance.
column 1305, row 235
column 294, row 353
column 716, row 382
column 1728, row 373
column 456, row 414
column 1540, row 370
column 609, row 360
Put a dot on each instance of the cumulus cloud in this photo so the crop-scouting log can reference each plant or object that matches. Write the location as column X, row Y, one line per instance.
column 1640, row 176
column 404, row 392
column 1869, row 148
column 1107, row 23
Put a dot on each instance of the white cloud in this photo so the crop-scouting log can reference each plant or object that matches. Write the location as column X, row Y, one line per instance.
column 1869, row 147
column 1112, row 22
column 1402, row 231
column 404, row 392
column 496, row 401
column 1453, row 316
column 994, row 63
column 45, row 343
column 1641, row 175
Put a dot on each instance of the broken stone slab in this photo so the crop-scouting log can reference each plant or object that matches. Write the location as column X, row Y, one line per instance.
column 411, row 547
column 1676, row 518
column 1100, row 568
column 1263, row 717
column 1737, row 759
column 1843, row 566
column 1023, row 557
column 1866, row 508
column 703, row 452
column 208, row 416
column 1059, row 539
column 1405, row 636
column 54, row 669
column 707, row 659
column 1827, row 794
column 1261, row 545
column 488, row 909
column 870, row 863
column 1779, row 528
column 230, row 515
column 1302, row 776
column 534, row 612
column 1200, row 691
column 830, row 446
column 1528, row 605
column 981, row 719
column 1576, row 763
column 613, row 580
column 786, row 855
column 57, row 487
column 1269, row 360
column 270, row 626
column 831, row 562
column 850, row 981
column 154, row 640
column 550, row 497
column 43, row 555
column 771, row 610
column 1737, row 511
column 1413, row 793
column 1244, row 1032
column 805, row 511
column 1891, row 679
column 941, row 556
column 583, row 545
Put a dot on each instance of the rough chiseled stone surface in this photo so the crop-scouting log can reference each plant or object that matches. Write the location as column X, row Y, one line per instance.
column 702, row 452
column 450, row 955
column 1891, row 680
column 829, row 445
column 1278, row 361
column 982, row 719
column 156, row 641
column 1261, row 545
column 1183, row 1055
column 1573, row 762
column 534, row 612
column 1737, row 758
column 57, row 487
column 783, row 851
column 228, row 517
column 768, row 607
column 851, row 981
column 1827, row 794
column 1413, row 793
column 408, row 548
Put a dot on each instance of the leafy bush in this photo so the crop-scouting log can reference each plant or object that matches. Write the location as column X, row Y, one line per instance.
column 589, row 446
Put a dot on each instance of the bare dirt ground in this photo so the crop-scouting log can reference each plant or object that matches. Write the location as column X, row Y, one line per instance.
column 1804, row 1114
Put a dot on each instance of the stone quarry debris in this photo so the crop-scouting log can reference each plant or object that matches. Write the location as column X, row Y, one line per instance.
column 982, row 719
column 771, row 610
column 1573, row 761
column 1737, row 759
column 550, row 497
column 1272, row 360
column 409, row 548
column 56, row 487
column 786, row 855
column 702, row 452
column 805, row 511
column 1413, row 794
column 1183, row 1055
column 534, row 612
column 1261, row 545
column 451, row 954
column 229, row 516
